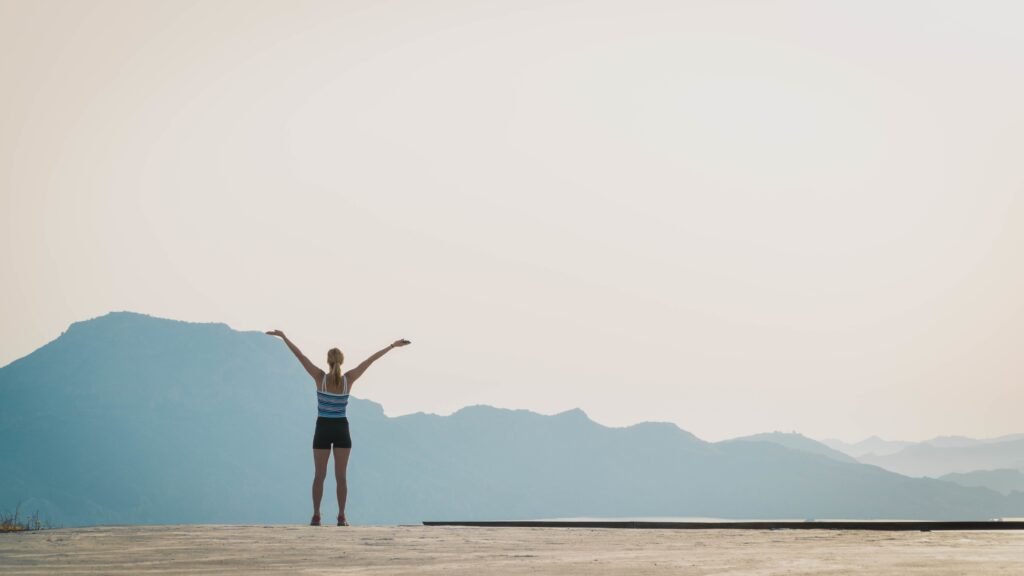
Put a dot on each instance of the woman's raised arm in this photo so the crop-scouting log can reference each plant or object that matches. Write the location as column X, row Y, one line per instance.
column 354, row 374
column 315, row 373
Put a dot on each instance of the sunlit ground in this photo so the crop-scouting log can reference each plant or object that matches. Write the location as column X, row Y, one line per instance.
column 440, row 550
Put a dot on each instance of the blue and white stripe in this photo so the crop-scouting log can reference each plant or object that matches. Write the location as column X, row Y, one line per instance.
column 332, row 405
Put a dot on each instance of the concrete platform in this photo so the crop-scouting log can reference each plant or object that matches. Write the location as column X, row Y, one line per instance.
column 472, row 551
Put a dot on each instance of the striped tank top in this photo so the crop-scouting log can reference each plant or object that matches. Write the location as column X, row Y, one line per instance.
column 332, row 405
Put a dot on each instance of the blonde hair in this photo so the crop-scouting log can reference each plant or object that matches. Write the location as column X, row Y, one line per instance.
column 334, row 360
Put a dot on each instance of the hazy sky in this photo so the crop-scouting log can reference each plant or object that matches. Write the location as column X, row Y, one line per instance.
column 738, row 216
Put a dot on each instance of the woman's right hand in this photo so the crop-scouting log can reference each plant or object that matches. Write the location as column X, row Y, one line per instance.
column 276, row 333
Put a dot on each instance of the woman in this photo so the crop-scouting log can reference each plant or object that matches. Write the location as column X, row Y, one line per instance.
column 332, row 390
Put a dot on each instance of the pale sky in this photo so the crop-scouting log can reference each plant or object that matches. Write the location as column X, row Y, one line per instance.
column 737, row 216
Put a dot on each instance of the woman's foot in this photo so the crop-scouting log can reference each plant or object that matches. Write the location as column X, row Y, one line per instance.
column 315, row 521
column 342, row 521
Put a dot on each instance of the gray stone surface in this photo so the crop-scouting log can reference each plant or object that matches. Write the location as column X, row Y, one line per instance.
column 241, row 550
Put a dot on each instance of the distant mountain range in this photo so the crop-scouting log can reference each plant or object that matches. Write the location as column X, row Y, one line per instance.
column 798, row 442
column 128, row 418
column 875, row 447
column 994, row 463
column 934, row 461
column 1002, row 481
column 872, row 445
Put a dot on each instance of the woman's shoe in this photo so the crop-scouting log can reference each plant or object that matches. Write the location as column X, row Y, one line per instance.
column 315, row 521
column 342, row 521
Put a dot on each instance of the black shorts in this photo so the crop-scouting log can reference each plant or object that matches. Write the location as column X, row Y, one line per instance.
column 331, row 431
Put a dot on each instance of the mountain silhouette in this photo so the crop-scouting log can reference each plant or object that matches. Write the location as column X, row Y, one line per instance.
column 128, row 418
column 927, row 459
column 1003, row 481
column 798, row 442
column 964, row 441
column 870, row 445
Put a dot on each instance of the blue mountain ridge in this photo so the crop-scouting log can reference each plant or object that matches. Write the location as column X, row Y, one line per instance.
column 128, row 418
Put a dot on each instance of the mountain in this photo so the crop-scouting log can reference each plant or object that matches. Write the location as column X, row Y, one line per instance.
column 132, row 419
column 871, row 445
column 964, row 441
column 798, row 442
column 875, row 446
column 938, row 456
column 1002, row 481
column 934, row 461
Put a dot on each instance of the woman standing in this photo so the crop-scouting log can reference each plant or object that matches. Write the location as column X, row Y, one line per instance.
column 332, row 391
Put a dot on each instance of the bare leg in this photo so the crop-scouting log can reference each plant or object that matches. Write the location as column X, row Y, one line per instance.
column 320, row 458
column 340, row 466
